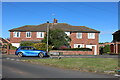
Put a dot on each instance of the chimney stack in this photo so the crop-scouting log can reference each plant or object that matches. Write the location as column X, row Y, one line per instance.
column 55, row 20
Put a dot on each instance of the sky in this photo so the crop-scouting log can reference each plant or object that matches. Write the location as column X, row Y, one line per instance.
column 102, row 16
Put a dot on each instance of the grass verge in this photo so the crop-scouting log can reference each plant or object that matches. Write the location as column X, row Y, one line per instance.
column 98, row 65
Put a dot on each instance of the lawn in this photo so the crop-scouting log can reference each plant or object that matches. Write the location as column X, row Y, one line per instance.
column 99, row 65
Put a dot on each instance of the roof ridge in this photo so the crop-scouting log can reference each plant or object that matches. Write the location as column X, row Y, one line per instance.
column 63, row 26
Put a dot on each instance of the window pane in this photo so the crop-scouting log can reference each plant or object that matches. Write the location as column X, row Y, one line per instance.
column 68, row 33
column 40, row 34
column 16, row 34
column 91, row 35
column 79, row 35
column 28, row 34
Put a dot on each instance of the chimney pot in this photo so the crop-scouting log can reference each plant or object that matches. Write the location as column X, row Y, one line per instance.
column 55, row 20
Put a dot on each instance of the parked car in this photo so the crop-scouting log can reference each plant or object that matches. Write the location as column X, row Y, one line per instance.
column 30, row 51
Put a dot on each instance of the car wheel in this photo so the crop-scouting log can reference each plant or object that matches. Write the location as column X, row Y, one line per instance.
column 41, row 55
column 20, row 54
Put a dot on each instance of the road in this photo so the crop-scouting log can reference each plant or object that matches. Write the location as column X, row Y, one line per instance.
column 14, row 68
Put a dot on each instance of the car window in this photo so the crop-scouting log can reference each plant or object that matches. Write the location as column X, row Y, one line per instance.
column 27, row 48
column 31, row 48
column 24, row 48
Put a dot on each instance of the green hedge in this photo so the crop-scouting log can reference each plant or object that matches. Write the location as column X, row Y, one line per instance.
column 42, row 46
column 77, row 49
column 27, row 43
column 38, row 46
column 106, row 49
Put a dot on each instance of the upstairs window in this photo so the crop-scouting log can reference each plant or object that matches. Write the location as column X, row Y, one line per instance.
column 40, row 34
column 16, row 34
column 28, row 34
column 79, row 35
column 68, row 33
column 91, row 35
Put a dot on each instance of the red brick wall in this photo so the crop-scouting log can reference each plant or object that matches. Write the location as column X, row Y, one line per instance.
column 65, row 52
column 84, row 40
column 75, row 52
column 11, row 51
column 23, row 37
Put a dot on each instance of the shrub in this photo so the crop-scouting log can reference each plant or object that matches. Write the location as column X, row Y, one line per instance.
column 12, row 47
column 63, row 47
column 106, row 49
column 77, row 49
column 26, row 44
column 42, row 46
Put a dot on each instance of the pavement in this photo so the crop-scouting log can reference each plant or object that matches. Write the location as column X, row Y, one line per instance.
column 66, row 56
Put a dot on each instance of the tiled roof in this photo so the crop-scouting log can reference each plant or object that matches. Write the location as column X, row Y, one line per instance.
column 117, row 32
column 63, row 26
column 4, row 40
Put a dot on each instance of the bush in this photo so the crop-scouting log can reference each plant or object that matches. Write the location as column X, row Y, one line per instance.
column 63, row 47
column 77, row 49
column 42, row 46
column 106, row 49
column 12, row 47
column 26, row 44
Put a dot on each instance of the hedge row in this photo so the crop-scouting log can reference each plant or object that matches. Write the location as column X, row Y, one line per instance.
column 38, row 46
column 76, row 49
column 43, row 46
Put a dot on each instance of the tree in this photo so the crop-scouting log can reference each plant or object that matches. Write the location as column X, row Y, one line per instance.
column 106, row 49
column 57, row 38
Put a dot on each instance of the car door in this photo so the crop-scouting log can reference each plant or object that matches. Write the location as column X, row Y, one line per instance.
column 31, row 51
column 25, row 51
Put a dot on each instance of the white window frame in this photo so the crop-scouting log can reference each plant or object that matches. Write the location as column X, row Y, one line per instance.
column 28, row 36
column 68, row 33
column 40, row 35
column 16, row 34
column 81, row 45
column 77, row 35
column 91, row 35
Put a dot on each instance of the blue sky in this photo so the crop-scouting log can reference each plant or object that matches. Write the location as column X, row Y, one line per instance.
column 102, row 16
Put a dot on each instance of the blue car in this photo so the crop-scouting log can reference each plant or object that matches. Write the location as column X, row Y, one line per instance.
column 30, row 51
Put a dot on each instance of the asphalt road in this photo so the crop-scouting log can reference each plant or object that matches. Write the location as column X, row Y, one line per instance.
column 13, row 68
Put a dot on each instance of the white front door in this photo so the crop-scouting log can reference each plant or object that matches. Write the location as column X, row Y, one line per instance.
column 90, row 46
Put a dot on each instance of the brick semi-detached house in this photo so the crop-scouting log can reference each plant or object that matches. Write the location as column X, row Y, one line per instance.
column 81, row 36
column 115, row 46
